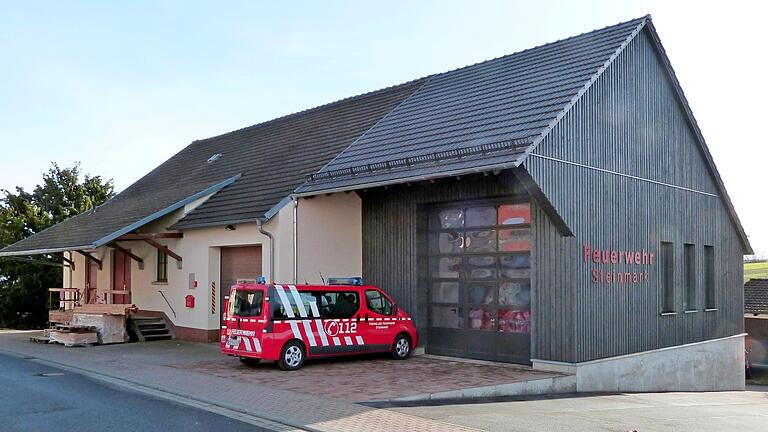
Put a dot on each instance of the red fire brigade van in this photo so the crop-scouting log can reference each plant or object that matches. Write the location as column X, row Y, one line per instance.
column 289, row 323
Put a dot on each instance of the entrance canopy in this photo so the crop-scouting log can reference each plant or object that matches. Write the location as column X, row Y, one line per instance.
column 117, row 217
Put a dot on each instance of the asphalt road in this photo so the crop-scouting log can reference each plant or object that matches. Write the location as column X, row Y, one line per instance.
column 35, row 397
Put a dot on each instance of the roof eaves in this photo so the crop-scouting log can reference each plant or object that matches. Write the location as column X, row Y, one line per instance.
column 46, row 251
column 154, row 216
column 417, row 178
column 182, row 227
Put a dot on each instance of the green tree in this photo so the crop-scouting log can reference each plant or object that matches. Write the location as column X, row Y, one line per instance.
column 24, row 284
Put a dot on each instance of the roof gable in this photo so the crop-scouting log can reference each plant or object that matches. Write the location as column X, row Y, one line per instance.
column 488, row 115
column 717, row 187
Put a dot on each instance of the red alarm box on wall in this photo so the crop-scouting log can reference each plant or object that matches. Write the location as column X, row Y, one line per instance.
column 189, row 301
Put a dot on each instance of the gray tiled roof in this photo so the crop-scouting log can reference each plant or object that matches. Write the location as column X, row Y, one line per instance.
column 266, row 162
column 277, row 156
column 756, row 296
column 484, row 114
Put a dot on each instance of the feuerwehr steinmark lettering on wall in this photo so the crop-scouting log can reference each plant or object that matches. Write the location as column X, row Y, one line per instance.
column 617, row 266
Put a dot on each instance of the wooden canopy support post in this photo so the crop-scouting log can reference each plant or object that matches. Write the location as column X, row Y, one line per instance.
column 69, row 262
column 163, row 248
column 114, row 245
column 92, row 258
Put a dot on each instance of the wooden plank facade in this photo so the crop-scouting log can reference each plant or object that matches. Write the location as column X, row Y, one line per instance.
column 625, row 172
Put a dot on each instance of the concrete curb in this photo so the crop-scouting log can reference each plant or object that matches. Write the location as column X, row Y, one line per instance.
column 544, row 386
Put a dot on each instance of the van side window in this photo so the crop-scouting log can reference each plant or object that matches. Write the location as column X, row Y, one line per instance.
column 247, row 303
column 376, row 302
column 338, row 304
column 307, row 299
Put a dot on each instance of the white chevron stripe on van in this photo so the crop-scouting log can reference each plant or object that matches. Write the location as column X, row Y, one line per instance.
column 295, row 328
column 297, row 299
column 359, row 340
column 318, row 323
column 247, row 343
column 303, row 314
column 308, row 331
column 257, row 345
column 284, row 301
column 336, row 341
column 347, row 340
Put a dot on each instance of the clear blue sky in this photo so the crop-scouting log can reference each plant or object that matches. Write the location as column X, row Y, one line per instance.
column 122, row 86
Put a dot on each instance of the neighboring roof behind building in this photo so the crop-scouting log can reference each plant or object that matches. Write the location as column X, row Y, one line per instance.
column 756, row 296
column 480, row 116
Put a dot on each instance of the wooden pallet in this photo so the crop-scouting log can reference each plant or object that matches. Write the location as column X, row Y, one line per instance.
column 40, row 339
column 107, row 309
column 71, row 339
column 67, row 328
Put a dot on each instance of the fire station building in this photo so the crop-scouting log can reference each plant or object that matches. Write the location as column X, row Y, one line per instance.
column 555, row 207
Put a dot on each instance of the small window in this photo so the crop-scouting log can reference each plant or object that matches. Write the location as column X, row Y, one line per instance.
column 709, row 277
column 689, row 301
column 667, row 277
column 308, row 305
column 338, row 304
column 376, row 302
column 162, row 267
column 246, row 303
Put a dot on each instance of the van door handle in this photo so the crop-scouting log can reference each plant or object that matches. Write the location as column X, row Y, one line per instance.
column 366, row 317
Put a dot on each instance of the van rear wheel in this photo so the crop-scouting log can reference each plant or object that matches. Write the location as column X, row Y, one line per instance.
column 291, row 356
column 401, row 347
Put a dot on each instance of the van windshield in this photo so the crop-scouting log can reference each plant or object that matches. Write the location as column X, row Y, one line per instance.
column 247, row 303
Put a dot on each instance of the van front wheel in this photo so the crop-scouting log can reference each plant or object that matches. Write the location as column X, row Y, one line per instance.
column 291, row 356
column 401, row 347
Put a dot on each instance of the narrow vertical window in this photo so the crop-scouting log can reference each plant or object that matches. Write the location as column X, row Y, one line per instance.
column 689, row 300
column 162, row 267
column 709, row 277
column 667, row 277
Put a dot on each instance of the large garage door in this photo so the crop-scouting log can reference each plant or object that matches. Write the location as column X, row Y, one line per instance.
column 243, row 262
column 479, row 281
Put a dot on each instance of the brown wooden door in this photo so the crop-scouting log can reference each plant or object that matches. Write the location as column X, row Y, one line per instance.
column 242, row 262
column 91, row 276
column 121, row 277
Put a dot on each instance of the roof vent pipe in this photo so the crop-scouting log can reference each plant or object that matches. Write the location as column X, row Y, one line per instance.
column 260, row 225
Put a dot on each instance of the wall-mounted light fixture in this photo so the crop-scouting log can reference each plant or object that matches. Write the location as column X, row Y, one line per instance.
column 229, row 227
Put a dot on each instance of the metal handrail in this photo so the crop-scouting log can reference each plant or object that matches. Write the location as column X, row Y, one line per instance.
column 167, row 302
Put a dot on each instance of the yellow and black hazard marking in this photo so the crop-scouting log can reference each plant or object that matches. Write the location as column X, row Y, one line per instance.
column 213, row 297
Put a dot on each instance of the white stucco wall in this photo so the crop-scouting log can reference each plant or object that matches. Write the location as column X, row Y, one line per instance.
column 330, row 230
column 330, row 237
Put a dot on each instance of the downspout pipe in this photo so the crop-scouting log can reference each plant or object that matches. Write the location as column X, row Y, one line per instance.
column 260, row 225
column 295, row 239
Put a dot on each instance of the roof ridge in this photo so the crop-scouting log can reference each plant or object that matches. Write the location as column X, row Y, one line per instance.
column 641, row 24
column 645, row 17
column 424, row 77
column 315, row 108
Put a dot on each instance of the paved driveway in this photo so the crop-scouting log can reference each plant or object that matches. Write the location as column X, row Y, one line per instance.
column 371, row 378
